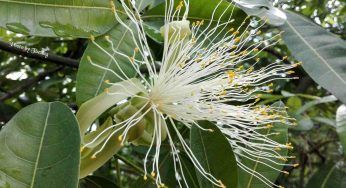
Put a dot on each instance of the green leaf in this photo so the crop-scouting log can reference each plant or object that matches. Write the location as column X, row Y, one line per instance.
column 96, row 182
column 57, row 18
column 328, row 176
column 88, row 163
column 89, row 112
column 247, row 180
column 293, row 103
column 215, row 154
column 199, row 10
column 40, row 148
column 322, row 53
column 92, row 109
column 90, row 79
column 341, row 126
column 168, row 176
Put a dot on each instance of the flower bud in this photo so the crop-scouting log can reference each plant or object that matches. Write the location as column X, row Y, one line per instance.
column 176, row 30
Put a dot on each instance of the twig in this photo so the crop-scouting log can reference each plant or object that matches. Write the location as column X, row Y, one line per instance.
column 59, row 60
column 28, row 83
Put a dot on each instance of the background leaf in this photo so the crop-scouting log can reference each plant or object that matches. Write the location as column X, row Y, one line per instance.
column 322, row 53
column 215, row 154
column 328, row 176
column 40, row 148
column 90, row 79
column 56, row 18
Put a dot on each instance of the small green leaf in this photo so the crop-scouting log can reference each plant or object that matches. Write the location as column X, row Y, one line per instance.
column 313, row 103
column 322, row 53
column 215, row 154
column 293, row 103
column 40, row 148
column 341, row 126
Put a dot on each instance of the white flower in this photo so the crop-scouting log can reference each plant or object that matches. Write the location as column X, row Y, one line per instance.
column 263, row 9
column 202, row 76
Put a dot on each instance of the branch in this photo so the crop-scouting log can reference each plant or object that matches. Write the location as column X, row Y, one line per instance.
column 28, row 83
column 59, row 60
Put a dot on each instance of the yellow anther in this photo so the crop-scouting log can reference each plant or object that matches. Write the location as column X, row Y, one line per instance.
column 277, row 149
column 136, row 49
column 297, row 64
column 153, row 174
column 296, row 165
column 223, row 93
column 93, row 157
column 231, row 30
column 290, row 72
column 92, row 38
column 132, row 59
column 284, row 58
column 290, row 147
column 283, row 159
column 82, row 148
column 258, row 59
column 145, row 177
column 221, row 184
column 180, row 5
column 269, row 126
column 237, row 39
column 210, row 130
column 235, row 33
column 258, row 32
column 241, row 67
column 107, row 81
column 285, row 172
column 120, row 137
column 281, row 186
column 89, row 58
column 107, row 37
column 255, row 50
column 271, row 84
column 231, row 76
column 106, row 90
column 112, row 6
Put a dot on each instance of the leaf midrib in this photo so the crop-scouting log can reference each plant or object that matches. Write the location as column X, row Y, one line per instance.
column 40, row 147
column 204, row 151
column 314, row 51
column 55, row 5
column 327, row 177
